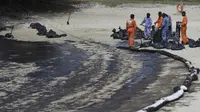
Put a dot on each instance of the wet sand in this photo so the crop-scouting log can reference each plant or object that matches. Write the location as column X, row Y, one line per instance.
column 40, row 76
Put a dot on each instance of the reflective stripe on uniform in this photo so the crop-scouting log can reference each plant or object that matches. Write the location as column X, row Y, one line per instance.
column 129, row 21
column 131, row 38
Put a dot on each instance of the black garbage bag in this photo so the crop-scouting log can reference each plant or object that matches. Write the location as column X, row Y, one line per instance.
column 198, row 42
column 170, row 44
column 42, row 31
column 193, row 43
column 9, row 35
column 6, row 36
column 40, row 28
column 115, row 34
column 35, row 25
column 157, row 37
column 177, row 47
column 158, row 45
column 53, row 34
column 139, row 34
column 146, row 44
column 174, row 45
column 121, row 34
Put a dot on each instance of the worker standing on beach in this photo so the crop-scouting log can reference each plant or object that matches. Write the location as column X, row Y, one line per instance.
column 165, row 27
column 148, row 24
column 184, row 22
column 158, row 23
column 157, row 35
column 131, row 27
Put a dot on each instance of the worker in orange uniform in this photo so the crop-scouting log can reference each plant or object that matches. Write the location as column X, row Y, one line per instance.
column 184, row 22
column 157, row 35
column 131, row 27
column 158, row 23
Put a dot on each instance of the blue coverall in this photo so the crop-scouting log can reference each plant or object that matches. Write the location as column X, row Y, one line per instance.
column 148, row 24
column 165, row 28
column 170, row 26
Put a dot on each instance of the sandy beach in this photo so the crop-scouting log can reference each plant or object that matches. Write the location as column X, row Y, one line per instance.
column 96, row 23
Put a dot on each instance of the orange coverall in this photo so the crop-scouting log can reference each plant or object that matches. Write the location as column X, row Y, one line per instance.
column 159, row 22
column 184, row 37
column 131, row 27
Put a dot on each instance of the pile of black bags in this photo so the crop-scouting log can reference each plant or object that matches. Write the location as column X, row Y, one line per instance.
column 155, row 42
column 42, row 31
column 168, row 45
column 121, row 34
column 163, row 45
column 173, row 44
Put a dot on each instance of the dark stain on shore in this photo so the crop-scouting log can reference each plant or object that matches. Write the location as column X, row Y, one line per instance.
column 57, row 60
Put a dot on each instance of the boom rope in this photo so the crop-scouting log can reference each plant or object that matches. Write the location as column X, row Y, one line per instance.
column 178, row 90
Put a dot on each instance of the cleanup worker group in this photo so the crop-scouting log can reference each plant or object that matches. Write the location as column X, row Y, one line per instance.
column 163, row 23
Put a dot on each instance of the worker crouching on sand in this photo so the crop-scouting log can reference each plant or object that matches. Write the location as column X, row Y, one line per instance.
column 148, row 25
column 165, row 27
column 184, row 22
column 131, row 27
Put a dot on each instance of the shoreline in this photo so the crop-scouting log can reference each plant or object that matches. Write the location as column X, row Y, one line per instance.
column 130, row 88
column 163, row 102
column 100, row 29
